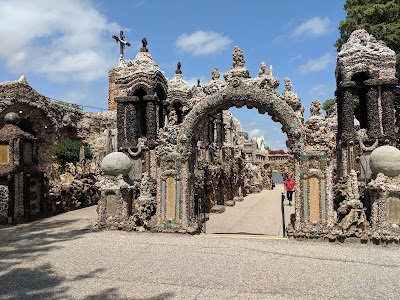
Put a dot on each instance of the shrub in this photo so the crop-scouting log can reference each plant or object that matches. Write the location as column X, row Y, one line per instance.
column 67, row 151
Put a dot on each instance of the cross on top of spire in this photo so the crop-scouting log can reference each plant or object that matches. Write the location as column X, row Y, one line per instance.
column 121, row 42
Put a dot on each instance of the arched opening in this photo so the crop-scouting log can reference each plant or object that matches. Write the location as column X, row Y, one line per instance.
column 360, row 103
column 206, row 113
column 161, row 106
column 141, row 112
column 177, row 106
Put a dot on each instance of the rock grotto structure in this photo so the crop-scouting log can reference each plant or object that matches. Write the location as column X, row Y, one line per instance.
column 171, row 153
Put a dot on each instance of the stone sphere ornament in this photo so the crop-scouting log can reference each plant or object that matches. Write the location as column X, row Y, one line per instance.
column 116, row 163
column 12, row 118
column 386, row 160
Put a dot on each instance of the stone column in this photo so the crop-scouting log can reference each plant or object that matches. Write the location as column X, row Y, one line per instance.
column 211, row 131
column 121, row 135
column 151, row 117
column 165, row 115
column 218, row 131
column 388, row 110
column 349, row 92
column 132, row 133
column 228, row 135
column 374, row 111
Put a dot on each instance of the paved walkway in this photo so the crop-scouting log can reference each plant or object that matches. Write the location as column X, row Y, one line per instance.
column 61, row 258
column 257, row 214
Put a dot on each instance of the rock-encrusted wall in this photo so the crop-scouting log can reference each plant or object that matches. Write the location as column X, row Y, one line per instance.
column 49, row 121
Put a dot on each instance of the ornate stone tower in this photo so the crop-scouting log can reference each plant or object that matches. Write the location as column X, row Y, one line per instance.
column 22, row 187
column 365, row 77
column 139, row 89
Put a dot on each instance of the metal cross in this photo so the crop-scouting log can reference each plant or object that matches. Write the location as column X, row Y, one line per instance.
column 121, row 42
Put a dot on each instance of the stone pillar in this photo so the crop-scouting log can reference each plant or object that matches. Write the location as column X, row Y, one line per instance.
column 211, row 130
column 19, row 207
column 121, row 135
column 218, row 131
column 374, row 111
column 388, row 110
column 131, row 125
column 151, row 117
column 349, row 92
column 165, row 115
column 112, row 90
column 115, row 203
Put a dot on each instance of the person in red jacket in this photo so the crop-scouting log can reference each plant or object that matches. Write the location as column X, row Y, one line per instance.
column 289, row 188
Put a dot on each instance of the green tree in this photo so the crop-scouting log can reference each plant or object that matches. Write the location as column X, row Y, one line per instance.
column 328, row 105
column 67, row 151
column 379, row 17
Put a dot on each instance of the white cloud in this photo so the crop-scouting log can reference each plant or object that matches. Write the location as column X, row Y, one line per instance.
column 65, row 40
column 314, row 27
column 316, row 64
column 202, row 42
column 297, row 57
column 255, row 133
column 322, row 90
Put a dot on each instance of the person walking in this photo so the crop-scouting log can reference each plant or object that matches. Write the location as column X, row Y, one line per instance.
column 289, row 188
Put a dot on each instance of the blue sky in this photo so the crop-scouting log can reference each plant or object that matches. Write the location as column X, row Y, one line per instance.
column 65, row 48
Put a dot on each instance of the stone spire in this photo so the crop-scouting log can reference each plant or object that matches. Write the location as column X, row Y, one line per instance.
column 215, row 74
column 238, row 57
column 238, row 69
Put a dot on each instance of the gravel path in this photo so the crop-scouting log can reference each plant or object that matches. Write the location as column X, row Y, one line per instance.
column 62, row 258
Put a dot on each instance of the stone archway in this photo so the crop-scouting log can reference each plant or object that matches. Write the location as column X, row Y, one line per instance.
column 237, row 93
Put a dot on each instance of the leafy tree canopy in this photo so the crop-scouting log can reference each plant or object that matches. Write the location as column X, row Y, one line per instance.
column 328, row 105
column 67, row 151
column 379, row 17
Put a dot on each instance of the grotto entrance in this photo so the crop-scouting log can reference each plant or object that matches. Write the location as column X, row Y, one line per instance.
column 238, row 92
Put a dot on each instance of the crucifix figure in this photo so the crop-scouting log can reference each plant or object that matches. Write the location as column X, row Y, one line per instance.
column 121, row 42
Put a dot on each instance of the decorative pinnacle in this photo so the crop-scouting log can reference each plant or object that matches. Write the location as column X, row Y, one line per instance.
column 144, row 44
column 178, row 68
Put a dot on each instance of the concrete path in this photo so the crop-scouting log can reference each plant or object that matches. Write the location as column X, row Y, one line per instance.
column 257, row 214
column 62, row 258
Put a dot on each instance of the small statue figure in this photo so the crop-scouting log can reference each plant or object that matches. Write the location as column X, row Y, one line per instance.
column 173, row 118
column 263, row 69
column 238, row 58
column 198, row 82
column 215, row 74
column 178, row 68
column 144, row 185
column 144, row 43
column 315, row 109
column 288, row 85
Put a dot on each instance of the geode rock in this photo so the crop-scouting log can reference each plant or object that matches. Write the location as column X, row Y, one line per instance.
column 385, row 160
column 116, row 163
